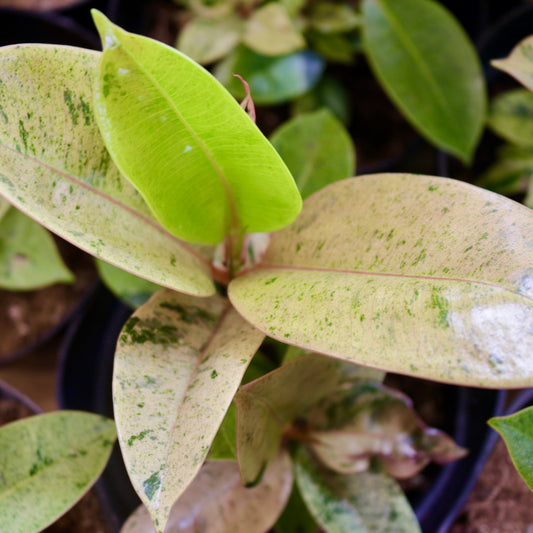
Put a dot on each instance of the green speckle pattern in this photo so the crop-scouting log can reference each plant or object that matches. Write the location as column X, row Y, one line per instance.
column 443, row 296
column 178, row 364
column 55, row 167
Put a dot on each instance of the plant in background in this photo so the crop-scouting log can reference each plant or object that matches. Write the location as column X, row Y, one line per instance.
column 29, row 258
column 281, row 47
column 511, row 118
column 140, row 157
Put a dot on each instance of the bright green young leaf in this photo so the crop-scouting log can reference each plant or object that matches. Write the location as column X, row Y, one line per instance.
column 511, row 116
column 366, row 422
column 163, row 115
column 55, row 167
column 132, row 290
column 519, row 62
column 217, row 501
column 178, row 364
column 296, row 517
column 511, row 172
column 517, row 431
column 317, row 149
column 429, row 68
column 267, row 407
column 272, row 80
column 206, row 40
column 368, row 502
column 270, row 31
column 29, row 258
column 48, row 462
column 418, row 275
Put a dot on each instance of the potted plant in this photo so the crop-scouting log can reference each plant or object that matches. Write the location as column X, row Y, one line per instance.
column 419, row 275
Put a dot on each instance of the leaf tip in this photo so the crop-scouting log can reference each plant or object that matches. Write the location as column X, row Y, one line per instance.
column 106, row 29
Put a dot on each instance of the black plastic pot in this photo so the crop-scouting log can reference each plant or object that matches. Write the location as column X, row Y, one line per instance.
column 86, row 366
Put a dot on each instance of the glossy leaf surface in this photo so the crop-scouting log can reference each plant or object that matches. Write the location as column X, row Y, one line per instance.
column 511, row 116
column 270, row 31
column 519, row 63
column 48, row 462
column 517, row 431
column 28, row 255
column 368, row 502
column 178, row 364
column 272, row 80
column 217, row 502
column 413, row 47
column 132, row 290
column 317, row 149
column 412, row 274
column 55, row 167
column 206, row 40
column 163, row 115
column 267, row 407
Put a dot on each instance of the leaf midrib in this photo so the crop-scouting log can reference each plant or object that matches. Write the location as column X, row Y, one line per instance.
column 235, row 222
column 265, row 267
column 199, row 361
column 110, row 199
column 413, row 51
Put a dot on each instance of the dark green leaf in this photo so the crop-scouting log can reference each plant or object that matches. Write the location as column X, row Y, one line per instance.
column 429, row 68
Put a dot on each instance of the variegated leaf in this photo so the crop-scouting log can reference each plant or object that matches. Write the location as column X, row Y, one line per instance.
column 413, row 274
column 178, row 364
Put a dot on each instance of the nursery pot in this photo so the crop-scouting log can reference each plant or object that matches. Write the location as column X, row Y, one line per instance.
column 85, row 383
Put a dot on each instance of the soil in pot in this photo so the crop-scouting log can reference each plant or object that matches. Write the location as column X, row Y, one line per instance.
column 501, row 502
column 31, row 317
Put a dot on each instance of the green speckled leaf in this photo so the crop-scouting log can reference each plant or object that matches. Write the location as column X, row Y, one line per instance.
column 178, row 364
column 206, row 40
column 29, row 258
column 55, row 167
column 369, row 422
column 511, row 116
column 517, row 431
column 412, row 274
column 317, row 149
column 270, row 31
column 48, row 462
column 267, row 407
column 519, row 63
column 217, row 501
column 429, row 68
column 162, row 114
column 132, row 290
column 368, row 502
column 272, row 80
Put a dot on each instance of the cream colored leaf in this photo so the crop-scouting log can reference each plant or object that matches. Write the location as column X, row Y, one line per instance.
column 412, row 274
column 56, row 169
column 217, row 501
column 519, row 63
column 178, row 364
column 271, row 32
